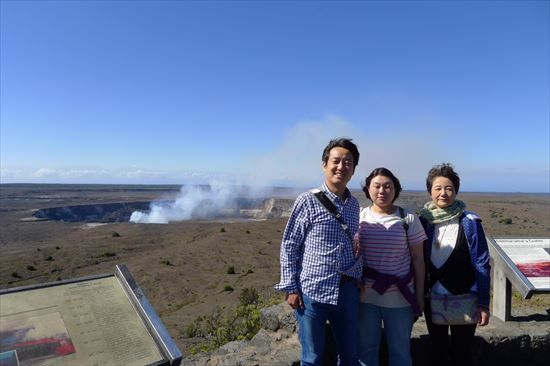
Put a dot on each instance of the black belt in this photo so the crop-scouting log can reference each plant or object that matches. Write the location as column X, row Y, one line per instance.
column 345, row 279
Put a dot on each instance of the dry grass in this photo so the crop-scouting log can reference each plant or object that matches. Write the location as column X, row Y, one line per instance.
column 183, row 267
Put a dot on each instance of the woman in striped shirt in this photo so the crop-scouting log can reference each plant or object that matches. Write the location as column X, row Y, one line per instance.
column 392, row 294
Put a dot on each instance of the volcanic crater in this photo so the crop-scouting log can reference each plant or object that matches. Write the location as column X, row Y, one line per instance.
column 241, row 208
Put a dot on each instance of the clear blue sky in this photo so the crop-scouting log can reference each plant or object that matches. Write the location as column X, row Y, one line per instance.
column 186, row 92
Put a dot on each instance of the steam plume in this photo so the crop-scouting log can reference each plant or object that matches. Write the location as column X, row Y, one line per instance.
column 191, row 202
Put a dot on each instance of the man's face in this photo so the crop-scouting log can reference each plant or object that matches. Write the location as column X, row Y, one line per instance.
column 339, row 167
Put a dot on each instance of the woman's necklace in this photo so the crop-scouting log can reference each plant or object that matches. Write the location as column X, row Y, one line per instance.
column 441, row 235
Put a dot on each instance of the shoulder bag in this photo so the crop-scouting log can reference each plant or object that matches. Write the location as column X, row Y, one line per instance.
column 453, row 309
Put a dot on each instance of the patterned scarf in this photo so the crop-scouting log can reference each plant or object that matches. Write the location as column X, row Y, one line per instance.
column 435, row 215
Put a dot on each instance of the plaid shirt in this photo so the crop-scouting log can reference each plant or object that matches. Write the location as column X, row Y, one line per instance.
column 315, row 250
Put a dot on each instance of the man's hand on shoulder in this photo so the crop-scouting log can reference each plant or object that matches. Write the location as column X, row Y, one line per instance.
column 294, row 300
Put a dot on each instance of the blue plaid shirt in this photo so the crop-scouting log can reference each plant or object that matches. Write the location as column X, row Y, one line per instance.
column 315, row 250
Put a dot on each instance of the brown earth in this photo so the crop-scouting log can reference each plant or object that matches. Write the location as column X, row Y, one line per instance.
column 183, row 267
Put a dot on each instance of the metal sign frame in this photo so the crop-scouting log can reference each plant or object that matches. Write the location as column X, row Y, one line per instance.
column 171, row 355
column 505, row 275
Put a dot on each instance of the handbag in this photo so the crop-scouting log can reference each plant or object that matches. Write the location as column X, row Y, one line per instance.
column 453, row 309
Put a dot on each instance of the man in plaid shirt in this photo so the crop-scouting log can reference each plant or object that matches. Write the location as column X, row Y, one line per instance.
column 319, row 270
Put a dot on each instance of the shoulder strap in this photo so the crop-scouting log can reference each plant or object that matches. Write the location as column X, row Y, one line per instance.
column 404, row 218
column 331, row 208
column 405, row 223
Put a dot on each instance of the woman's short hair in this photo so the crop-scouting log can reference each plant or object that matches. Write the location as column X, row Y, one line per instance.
column 385, row 173
column 443, row 170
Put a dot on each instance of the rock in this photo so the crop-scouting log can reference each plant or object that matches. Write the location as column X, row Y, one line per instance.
column 276, row 344
column 262, row 341
column 231, row 347
column 276, row 317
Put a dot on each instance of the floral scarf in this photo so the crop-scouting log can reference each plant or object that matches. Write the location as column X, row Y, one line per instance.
column 435, row 215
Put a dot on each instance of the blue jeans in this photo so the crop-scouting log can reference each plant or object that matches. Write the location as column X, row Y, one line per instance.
column 343, row 320
column 398, row 324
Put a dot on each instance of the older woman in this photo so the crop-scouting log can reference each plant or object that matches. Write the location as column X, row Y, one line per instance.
column 457, row 263
column 391, row 243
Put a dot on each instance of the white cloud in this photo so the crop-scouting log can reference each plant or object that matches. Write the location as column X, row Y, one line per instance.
column 44, row 173
column 297, row 160
column 133, row 175
column 139, row 174
column 9, row 176
column 408, row 151
column 83, row 174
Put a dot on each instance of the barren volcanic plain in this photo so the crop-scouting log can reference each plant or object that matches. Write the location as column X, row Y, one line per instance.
column 183, row 266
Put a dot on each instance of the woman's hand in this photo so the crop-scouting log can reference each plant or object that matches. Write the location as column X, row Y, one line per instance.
column 482, row 316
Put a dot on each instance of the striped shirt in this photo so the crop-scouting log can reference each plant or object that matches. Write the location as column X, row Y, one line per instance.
column 315, row 250
column 383, row 243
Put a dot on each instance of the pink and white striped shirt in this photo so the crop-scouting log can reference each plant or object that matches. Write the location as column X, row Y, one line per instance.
column 384, row 248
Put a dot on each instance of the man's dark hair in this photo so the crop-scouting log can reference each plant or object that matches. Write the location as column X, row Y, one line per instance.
column 385, row 173
column 346, row 144
column 443, row 170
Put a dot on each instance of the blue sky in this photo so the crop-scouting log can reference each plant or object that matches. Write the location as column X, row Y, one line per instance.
column 182, row 92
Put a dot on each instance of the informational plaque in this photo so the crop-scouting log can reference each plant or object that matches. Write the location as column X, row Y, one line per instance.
column 531, row 257
column 95, row 321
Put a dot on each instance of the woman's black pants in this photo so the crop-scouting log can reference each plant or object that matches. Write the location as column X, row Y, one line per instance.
column 450, row 349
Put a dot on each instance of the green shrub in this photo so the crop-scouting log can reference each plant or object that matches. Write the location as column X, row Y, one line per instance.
column 31, row 268
column 231, row 270
column 192, row 330
column 115, row 235
column 166, row 262
column 242, row 323
column 249, row 296
column 222, row 230
column 228, row 288
column 15, row 275
column 49, row 258
column 506, row 221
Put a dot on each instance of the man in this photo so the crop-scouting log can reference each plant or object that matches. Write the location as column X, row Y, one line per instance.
column 319, row 270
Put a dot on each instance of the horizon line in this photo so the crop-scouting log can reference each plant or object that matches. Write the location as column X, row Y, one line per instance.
column 236, row 185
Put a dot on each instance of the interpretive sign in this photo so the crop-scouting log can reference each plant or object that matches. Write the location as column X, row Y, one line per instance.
column 531, row 257
column 100, row 320
column 520, row 262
